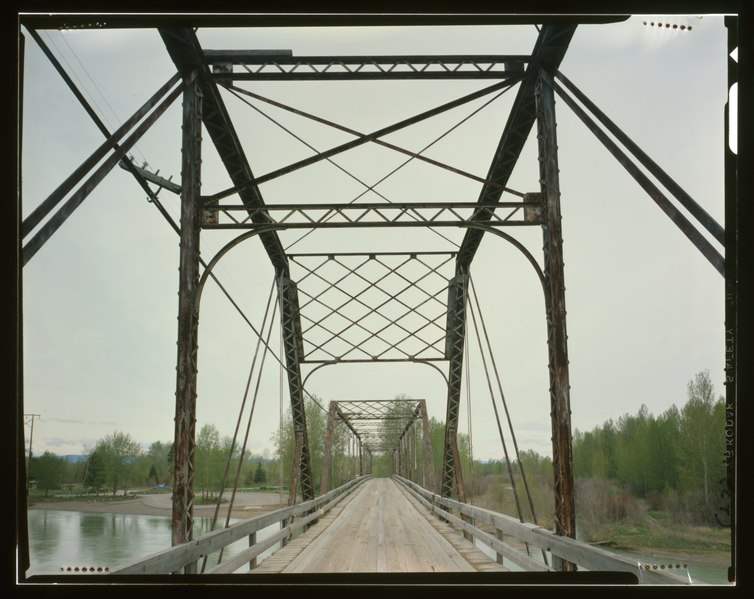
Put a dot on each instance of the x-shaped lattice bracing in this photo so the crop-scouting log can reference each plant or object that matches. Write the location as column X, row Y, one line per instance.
column 383, row 311
column 380, row 424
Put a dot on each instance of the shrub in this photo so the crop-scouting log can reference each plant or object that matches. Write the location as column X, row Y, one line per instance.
column 600, row 502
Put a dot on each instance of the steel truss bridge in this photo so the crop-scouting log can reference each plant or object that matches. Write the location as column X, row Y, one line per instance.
column 368, row 307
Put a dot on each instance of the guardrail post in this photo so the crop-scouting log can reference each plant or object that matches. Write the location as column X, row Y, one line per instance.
column 499, row 556
column 252, row 542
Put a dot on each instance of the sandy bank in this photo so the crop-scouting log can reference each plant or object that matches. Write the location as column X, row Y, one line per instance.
column 245, row 505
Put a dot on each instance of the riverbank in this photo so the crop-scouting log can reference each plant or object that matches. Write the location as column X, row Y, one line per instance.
column 245, row 505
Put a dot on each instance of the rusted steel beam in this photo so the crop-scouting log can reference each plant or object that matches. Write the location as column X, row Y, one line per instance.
column 188, row 318
column 47, row 205
column 560, row 402
column 549, row 51
column 684, row 198
column 161, row 182
column 57, row 219
column 685, row 225
column 324, row 486
column 429, row 469
column 295, row 467
column 292, row 342
column 452, row 476
column 187, row 54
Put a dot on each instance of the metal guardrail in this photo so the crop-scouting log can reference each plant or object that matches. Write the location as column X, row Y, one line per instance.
column 175, row 559
column 585, row 556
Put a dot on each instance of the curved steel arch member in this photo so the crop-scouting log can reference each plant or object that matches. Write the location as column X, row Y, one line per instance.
column 282, row 226
column 450, row 472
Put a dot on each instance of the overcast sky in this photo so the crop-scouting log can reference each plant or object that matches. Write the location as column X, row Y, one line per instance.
column 645, row 308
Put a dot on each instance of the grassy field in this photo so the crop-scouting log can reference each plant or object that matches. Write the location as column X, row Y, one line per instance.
column 656, row 535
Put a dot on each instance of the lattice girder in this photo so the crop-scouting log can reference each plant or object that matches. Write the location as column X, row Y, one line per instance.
column 373, row 306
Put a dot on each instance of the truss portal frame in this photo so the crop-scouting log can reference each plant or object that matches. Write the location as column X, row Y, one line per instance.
column 201, row 73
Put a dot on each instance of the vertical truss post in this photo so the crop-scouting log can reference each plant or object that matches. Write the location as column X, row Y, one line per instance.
column 562, row 460
column 361, row 459
column 188, row 318
column 401, row 461
column 411, row 454
column 293, row 345
column 406, row 458
column 324, row 486
column 427, row 439
column 295, row 468
column 451, row 470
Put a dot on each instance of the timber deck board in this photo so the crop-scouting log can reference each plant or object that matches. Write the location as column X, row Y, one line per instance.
column 379, row 528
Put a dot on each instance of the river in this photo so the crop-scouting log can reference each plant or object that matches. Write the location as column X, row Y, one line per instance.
column 59, row 540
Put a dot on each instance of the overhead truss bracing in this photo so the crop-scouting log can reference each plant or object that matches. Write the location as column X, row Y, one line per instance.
column 383, row 426
column 373, row 306
column 379, row 424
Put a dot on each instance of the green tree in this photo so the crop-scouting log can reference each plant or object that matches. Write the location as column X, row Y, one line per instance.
column 47, row 471
column 701, row 440
column 284, row 439
column 664, row 431
column 633, row 457
column 209, row 460
column 118, row 451
column 160, row 458
column 259, row 474
column 95, row 476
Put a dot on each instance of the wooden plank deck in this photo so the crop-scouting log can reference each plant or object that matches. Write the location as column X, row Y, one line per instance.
column 379, row 528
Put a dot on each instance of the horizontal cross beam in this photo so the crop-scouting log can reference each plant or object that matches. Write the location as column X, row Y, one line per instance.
column 379, row 214
column 283, row 67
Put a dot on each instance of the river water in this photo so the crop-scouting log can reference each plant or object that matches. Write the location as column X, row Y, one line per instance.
column 59, row 540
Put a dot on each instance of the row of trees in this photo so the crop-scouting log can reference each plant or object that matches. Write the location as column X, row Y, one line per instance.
column 675, row 460
column 118, row 463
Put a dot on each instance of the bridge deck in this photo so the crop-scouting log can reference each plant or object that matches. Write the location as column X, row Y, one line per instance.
column 379, row 528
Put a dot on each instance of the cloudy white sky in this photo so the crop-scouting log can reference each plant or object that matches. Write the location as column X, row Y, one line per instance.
column 645, row 308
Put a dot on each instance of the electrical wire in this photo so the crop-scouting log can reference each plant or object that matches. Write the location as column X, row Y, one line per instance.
column 99, row 91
